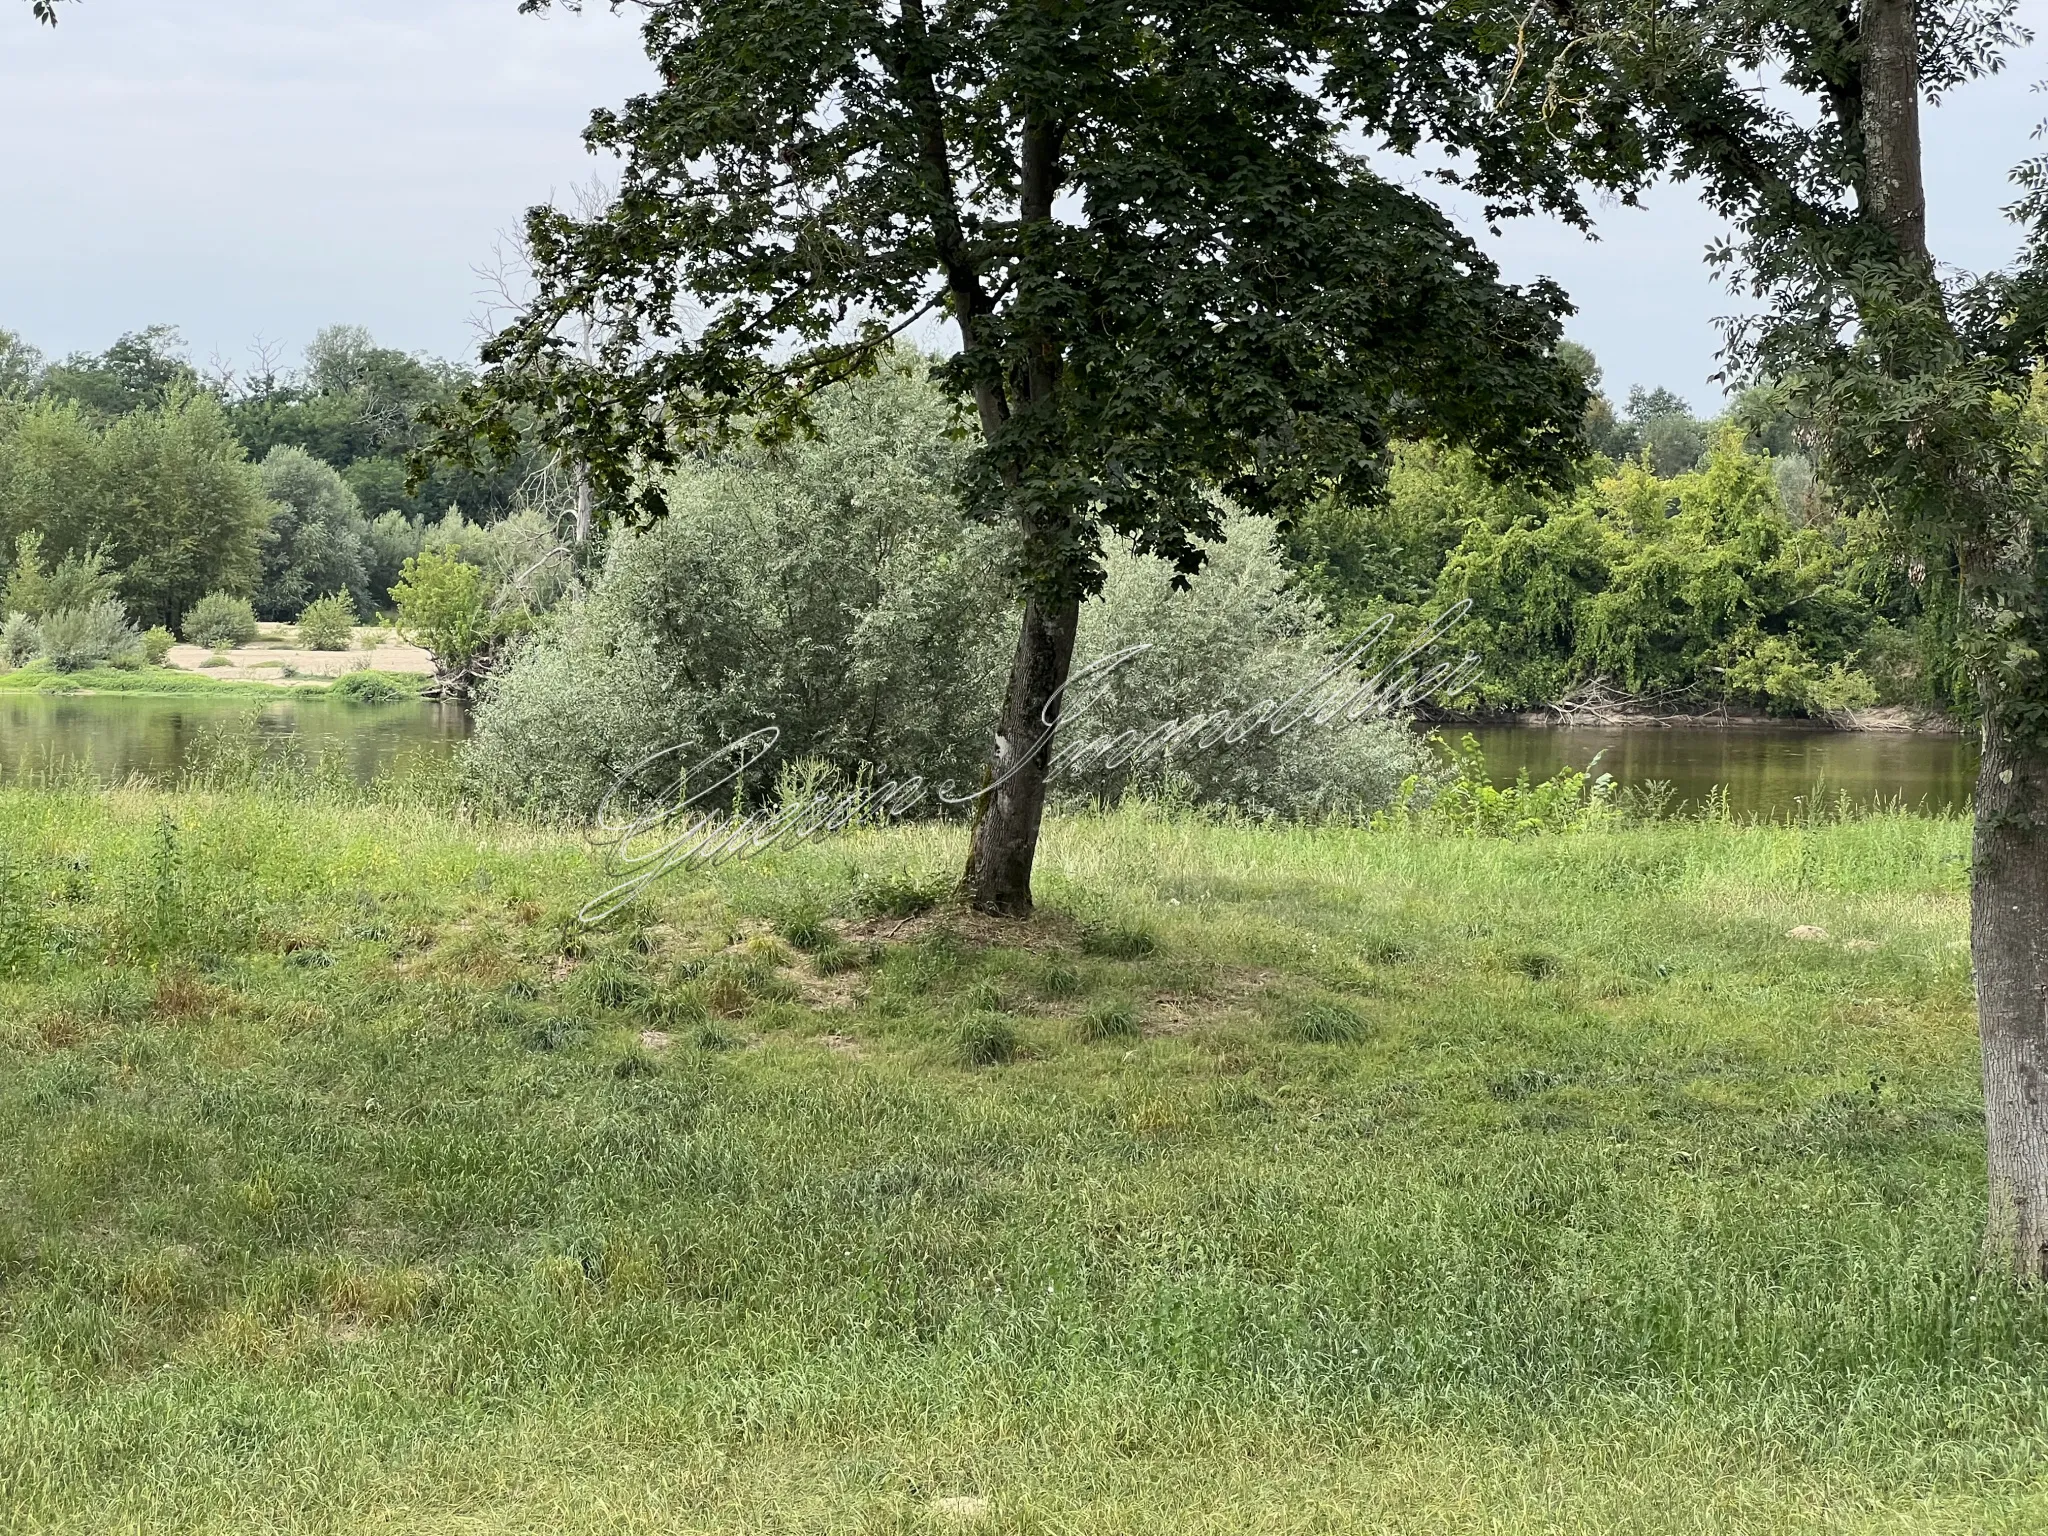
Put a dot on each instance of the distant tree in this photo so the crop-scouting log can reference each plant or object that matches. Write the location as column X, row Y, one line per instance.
column 184, row 510
column 140, row 371
column 317, row 539
column 358, row 407
column 1605, row 432
column 21, row 366
column 1664, row 428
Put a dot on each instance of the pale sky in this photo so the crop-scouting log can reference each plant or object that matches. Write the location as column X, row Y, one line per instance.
column 265, row 167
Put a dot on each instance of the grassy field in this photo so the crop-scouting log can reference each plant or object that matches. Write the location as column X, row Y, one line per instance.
column 1272, row 1181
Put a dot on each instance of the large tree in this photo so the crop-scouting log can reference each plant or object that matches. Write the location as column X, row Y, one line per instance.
column 1167, row 270
column 1924, row 389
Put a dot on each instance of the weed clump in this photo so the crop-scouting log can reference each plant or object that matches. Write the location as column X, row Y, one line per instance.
column 1109, row 1021
column 806, row 930
column 1060, row 980
column 1325, row 1021
column 834, row 959
column 636, row 1063
column 988, row 1040
column 896, row 895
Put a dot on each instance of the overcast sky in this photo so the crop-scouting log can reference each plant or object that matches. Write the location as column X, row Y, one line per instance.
column 265, row 167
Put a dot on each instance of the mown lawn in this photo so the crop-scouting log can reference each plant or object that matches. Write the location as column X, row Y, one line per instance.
column 1272, row 1181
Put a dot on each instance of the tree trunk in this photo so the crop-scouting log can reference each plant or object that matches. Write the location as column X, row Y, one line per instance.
column 998, row 878
column 1892, row 188
column 2009, row 948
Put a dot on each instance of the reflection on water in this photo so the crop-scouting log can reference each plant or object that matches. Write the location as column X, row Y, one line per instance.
column 114, row 736
column 1766, row 770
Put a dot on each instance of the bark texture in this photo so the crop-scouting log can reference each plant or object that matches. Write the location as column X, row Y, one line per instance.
column 2009, row 950
column 1894, row 192
column 998, row 878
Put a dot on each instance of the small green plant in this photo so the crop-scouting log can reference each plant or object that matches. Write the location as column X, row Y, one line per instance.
column 220, row 622
column 1325, row 1021
column 156, row 644
column 1110, row 1021
column 806, row 929
column 329, row 623
column 218, row 659
column 374, row 688
column 988, row 1040
column 1464, row 799
column 896, row 895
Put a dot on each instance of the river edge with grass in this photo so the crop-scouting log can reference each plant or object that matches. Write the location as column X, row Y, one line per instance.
column 1273, row 1179
column 1773, row 769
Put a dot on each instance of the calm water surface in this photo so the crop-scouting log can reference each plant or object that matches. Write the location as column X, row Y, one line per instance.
column 114, row 737
column 1766, row 770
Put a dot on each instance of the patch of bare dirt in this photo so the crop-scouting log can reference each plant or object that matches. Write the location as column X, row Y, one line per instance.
column 274, row 650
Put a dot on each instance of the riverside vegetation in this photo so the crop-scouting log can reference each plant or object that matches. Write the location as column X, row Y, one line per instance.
column 1275, row 1177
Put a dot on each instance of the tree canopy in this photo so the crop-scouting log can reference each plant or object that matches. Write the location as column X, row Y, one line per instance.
column 1169, row 270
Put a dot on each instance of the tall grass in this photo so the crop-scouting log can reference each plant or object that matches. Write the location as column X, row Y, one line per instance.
column 1275, row 1178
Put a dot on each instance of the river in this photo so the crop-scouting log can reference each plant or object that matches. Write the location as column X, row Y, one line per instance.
column 1765, row 770
column 113, row 736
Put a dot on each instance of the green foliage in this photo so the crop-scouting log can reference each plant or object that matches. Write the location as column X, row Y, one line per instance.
column 156, row 644
column 444, row 607
column 367, row 687
column 164, row 492
column 1696, row 588
column 1463, row 799
column 1236, row 634
column 79, row 581
column 143, row 371
column 99, row 634
column 357, row 407
column 329, row 623
column 1231, row 297
column 220, row 621
column 21, row 366
column 830, row 587
column 317, row 540
column 895, row 893
column 20, row 640
column 27, row 581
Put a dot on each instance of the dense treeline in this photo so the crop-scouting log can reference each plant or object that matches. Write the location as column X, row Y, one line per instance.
column 284, row 489
column 1696, row 563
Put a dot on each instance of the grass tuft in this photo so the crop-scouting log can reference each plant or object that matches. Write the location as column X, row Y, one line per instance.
column 1325, row 1021
column 1109, row 1021
column 988, row 1040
